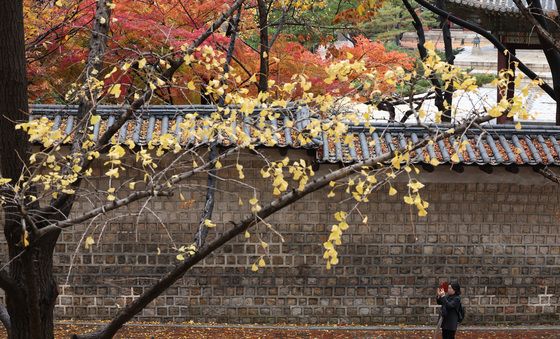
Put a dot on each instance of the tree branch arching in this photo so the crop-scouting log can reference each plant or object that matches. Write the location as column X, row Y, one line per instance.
column 501, row 48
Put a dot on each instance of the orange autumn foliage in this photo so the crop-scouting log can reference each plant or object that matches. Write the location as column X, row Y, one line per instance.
column 157, row 30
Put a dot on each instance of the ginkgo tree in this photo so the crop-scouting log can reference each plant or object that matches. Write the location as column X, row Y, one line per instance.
column 45, row 171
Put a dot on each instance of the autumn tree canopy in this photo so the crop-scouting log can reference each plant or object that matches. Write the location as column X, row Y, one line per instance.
column 151, row 32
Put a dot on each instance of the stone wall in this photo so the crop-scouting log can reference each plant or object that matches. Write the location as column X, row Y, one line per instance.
column 496, row 234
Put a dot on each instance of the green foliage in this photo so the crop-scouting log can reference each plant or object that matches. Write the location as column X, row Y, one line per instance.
column 484, row 78
column 322, row 25
column 441, row 52
column 317, row 25
column 392, row 20
column 392, row 46
column 420, row 86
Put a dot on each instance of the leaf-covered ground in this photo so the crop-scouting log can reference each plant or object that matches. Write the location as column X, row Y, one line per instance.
column 161, row 332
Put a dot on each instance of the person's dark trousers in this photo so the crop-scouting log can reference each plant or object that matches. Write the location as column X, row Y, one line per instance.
column 447, row 334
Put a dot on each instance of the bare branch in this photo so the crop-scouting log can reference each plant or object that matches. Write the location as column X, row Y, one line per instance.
column 417, row 23
column 501, row 48
column 66, row 200
column 549, row 174
column 264, row 49
column 280, row 25
column 158, row 190
column 200, row 236
column 541, row 31
column 449, row 58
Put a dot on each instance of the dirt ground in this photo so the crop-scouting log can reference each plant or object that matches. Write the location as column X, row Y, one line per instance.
column 165, row 332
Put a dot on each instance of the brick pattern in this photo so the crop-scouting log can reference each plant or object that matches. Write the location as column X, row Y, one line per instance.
column 501, row 241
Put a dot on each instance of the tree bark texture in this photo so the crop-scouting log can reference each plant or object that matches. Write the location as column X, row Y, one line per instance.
column 200, row 237
column 449, row 58
column 31, row 309
column 551, row 53
column 417, row 23
column 264, row 45
column 13, row 88
column 88, row 99
column 30, row 287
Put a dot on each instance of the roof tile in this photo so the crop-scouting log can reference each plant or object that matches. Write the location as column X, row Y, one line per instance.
column 499, row 145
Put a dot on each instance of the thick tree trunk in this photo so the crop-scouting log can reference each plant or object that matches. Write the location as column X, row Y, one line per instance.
column 13, row 88
column 264, row 46
column 30, row 288
column 32, row 309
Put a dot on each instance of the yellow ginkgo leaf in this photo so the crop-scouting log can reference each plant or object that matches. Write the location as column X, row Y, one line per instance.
column 95, row 119
column 89, row 242
column 408, row 200
column 130, row 143
column 340, row 216
column 25, row 239
column 115, row 90
column 208, row 223
column 455, row 158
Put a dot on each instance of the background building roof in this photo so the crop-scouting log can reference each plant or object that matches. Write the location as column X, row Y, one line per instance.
column 502, row 5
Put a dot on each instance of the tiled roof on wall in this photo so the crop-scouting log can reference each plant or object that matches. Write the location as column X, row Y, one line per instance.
column 496, row 145
column 158, row 120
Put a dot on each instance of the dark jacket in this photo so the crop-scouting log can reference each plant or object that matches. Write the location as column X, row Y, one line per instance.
column 450, row 311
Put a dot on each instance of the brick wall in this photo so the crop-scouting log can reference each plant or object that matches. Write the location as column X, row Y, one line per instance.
column 497, row 234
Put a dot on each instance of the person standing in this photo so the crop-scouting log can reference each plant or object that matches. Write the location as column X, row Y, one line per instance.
column 450, row 308
column 476, row 41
